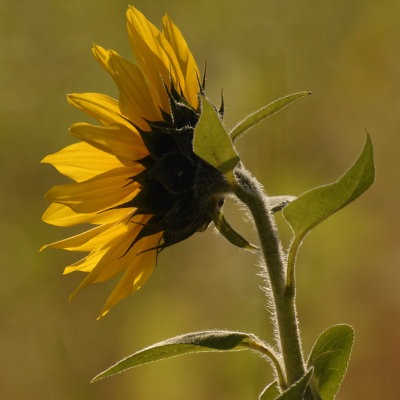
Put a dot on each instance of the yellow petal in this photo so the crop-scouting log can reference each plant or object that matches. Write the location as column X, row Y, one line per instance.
column 61, row 215
column 114, row 259
column 175, row 69
column 138, row 272
column 99, row 193
column 80, row 161
column 86, row 264
column 101, row 107
column 93, row 239
column 118, row 265
column 137, row 100
column 186, row 61
column 149, row 53
column 116, row 139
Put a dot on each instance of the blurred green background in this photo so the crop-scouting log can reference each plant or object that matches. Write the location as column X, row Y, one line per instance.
column 347, row 53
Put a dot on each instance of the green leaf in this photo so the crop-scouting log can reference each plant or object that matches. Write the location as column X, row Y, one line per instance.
column 297, row 390
column 312, row 207
column 263, row 113
column 211, row 141
column 271, row 392
column 229, row 233
column 330, row 357
column 195, row 342
column 278, row 203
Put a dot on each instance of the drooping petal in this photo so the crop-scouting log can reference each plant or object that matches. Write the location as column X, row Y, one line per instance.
column 101, row 107
column 140, row 269
column 99, row 193
column 186, row 61
column 116, row 139
column 61, row 215
column 81, row 161
column 116, row 258
column 137, row 100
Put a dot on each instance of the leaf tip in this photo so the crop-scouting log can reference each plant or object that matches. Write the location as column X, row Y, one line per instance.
column 97, row 378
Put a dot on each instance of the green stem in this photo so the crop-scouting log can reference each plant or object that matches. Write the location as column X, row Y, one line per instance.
column 250, row 192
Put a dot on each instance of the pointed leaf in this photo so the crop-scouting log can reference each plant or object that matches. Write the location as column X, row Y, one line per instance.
column 205, row 341
column 263, row 113
column 271, row 392
column 229, row 233
column 312, row 207
column 297, row 390
column 330, row 357
column 212, row 143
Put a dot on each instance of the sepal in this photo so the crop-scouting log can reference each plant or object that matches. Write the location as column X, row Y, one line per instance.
column 212, row 143
column 229, row 233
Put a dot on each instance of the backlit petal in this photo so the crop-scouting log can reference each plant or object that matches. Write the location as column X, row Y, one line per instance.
column 86, row 264
column 149, row 53
column 61, row 215
column 124, row 143
column 137, row 100
column 80, row 161
column 114, row 260
column 99, row 193
column 101, row 107
column 186, row 61
column 142, row 266
column 95, row 238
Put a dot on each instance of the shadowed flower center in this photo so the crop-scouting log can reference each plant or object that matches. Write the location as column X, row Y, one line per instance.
column 178, row 189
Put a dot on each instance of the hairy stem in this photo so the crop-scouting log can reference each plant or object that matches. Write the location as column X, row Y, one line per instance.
column 250, row 192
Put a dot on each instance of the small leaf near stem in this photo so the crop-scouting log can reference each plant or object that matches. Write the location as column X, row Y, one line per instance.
column 264, row 112
column 276, row 203
column 312, row 207
column 195, row 342
column 229, row 233
column 330, row 357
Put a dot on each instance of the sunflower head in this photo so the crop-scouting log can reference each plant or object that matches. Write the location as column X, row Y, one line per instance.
column 178, row 189
column 136, row 176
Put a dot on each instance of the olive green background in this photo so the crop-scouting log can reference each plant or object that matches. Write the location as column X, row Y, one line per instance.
column 347, row 53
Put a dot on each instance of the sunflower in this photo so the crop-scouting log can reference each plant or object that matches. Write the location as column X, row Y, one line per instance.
column 136, row 176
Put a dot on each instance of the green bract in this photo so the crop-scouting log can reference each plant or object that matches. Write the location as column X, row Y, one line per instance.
column 212, row 143
column 229, row 233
